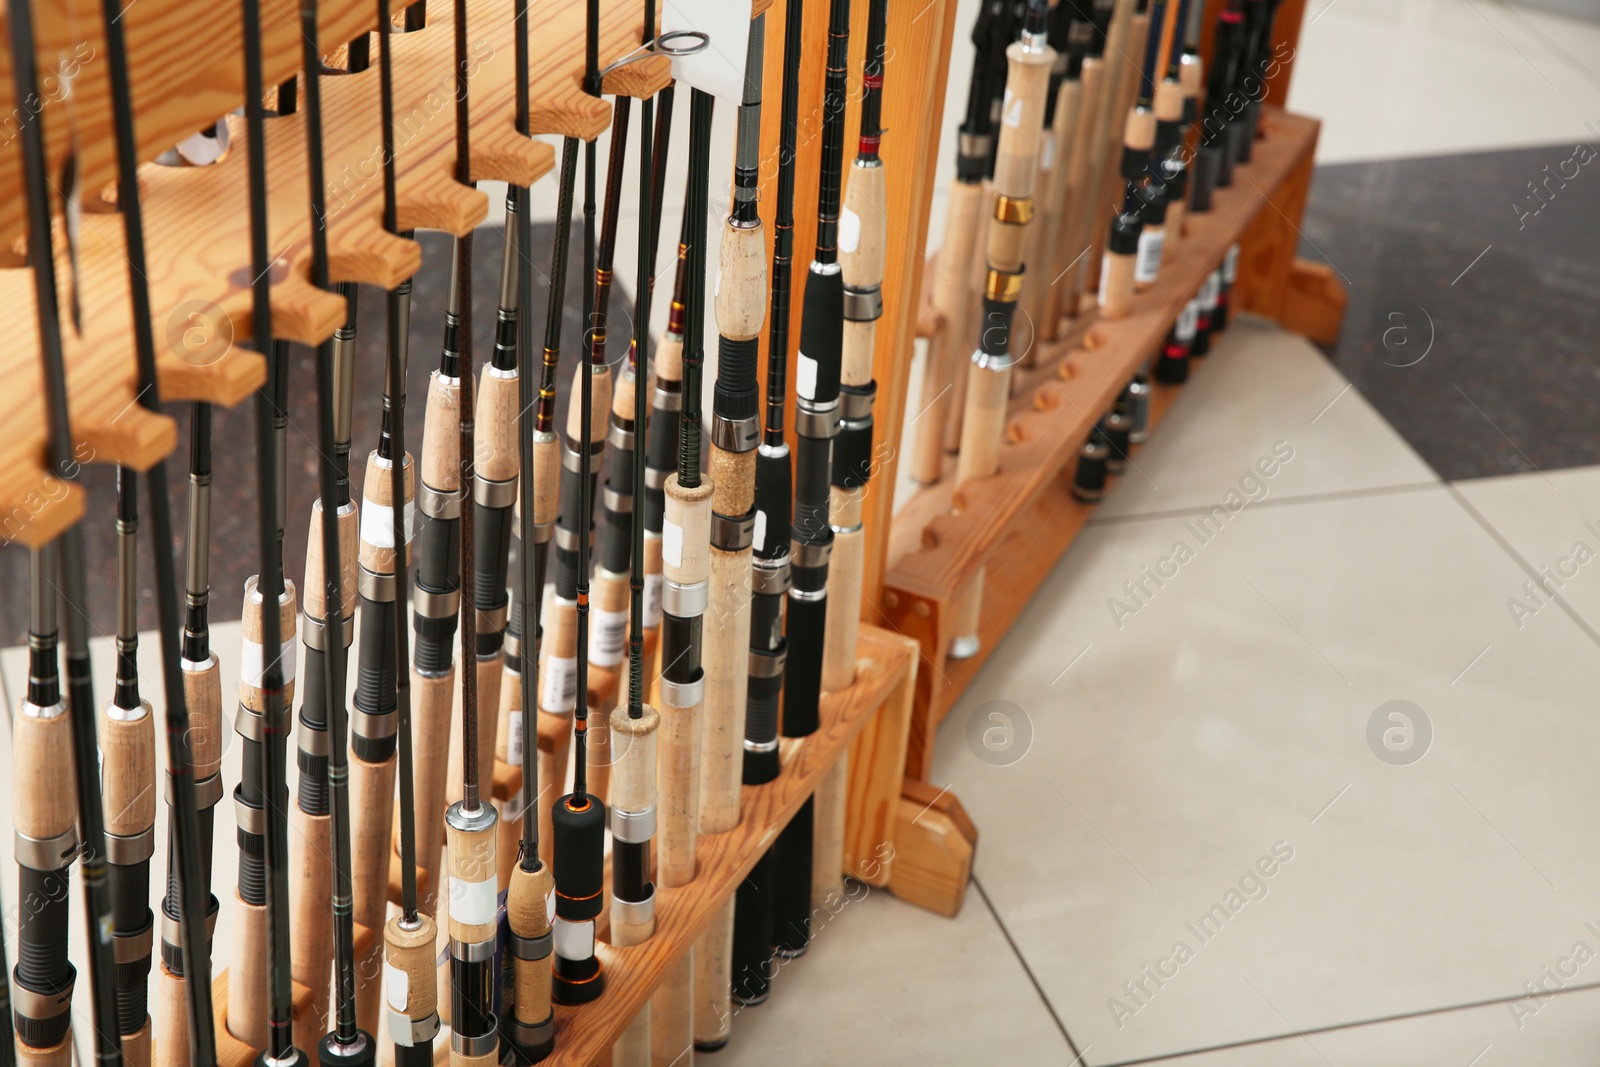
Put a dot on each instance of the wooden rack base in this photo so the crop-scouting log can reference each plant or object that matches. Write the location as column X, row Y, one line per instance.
column 1025, row 515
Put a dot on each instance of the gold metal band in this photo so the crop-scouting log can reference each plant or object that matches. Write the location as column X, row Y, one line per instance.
column 999, row 285
column 1014, row 211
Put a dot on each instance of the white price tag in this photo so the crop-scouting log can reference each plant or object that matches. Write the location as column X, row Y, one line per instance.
column 758, row 539
column 1188, row 320
column 398, row 985
column 608, row 632
column 671, row 544
column 1230, row 265
column 1209, row 291
column 558, row 688
column 472, row 902
column 1105, row 278
column 377, row 524
column 573, row 941
column 1011, row 109
column 514, row 740
column 251, row 667
column 849, row 230
column 1147, row 263
column 805, row 377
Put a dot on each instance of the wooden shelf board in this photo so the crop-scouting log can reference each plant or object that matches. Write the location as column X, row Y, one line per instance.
column 198, row 241
column 944, row 535
column 585, row 1034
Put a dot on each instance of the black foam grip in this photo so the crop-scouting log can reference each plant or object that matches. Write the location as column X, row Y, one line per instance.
column 435, row 642
column 438, row 554
column 1173, row 366
column 1219, row 314
column 1247, row 136
column 1125, row 228
column 813, row 473
column 791, row 904
column 802, row 678
column 822, row 331
column 579, row 857
column 616, row 541
column 1230, row 152
column 774, row 491
column 1135, row 161
column 491, row 543
column 736, row 395
column 752, row 933
column 852, row 455
column 566, row 573
column 375, row 676
column 1091, row 474
column 1203, row 185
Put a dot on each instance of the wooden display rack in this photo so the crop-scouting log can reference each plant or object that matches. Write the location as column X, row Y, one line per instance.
column 1025, row 514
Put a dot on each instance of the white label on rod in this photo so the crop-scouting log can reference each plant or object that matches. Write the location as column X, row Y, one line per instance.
column 251, row 655
column 1188, row 320
column 1105, row 278
column 472, row 902
column 573, row 941
column 805, row 377
column 1147, row 263
column 1011, row 109
column 558, row 689
column 607, row 633
column 671, row 543
column 514, row 740
column 849, row 230
column 1209, row 291
column 1230, row 265
column 758, row 539
column 652, row 600
column 719, row 69
column 398, row 985
column 377, row 523
column 1047, row 151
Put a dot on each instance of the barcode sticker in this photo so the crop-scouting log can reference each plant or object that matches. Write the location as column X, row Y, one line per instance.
column 849, row 230
column 758, row 539
column 1188, row 319
column 514, row 740
column 1148, row 261
column 558, row 689
column 1209, row 291
column 1047, row 151
column 805, row 377
column 671, row 544
column 652, row 600
column 608, row 632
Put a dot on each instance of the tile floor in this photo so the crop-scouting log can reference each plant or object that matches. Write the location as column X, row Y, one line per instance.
column 1231, row 722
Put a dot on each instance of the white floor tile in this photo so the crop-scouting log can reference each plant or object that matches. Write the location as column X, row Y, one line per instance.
column 1558, row 1031
column 889, row 984
column 1552, row 520
column 1263, row 394
column 1229, row 714
column 1429, row 77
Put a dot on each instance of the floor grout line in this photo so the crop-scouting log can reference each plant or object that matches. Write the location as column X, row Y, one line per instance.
column 1555, row 46
column 1516, row 557
column 1077, row 1057
column 1423, row 1013
column 1308, row 498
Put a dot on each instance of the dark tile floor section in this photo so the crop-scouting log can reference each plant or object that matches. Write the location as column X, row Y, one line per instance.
column 1474, row 302
column 235, row 554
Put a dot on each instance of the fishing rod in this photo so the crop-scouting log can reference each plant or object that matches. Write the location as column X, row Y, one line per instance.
column 1121, row 75
column 989, row 374
column 952, row 291
column 1143, row 198
column 53, row 742
column 1172, row 365
column 410, row 938
column 190, row 680
column 1071, row 248
column 470, row 822
column 1166, row 174
column 1175, row 111
column 1214, row 163
column 345, row 1043
column 752, row 925
column 634, row 723
column 529, row 1019
column 686, row 561
column 1257, row 52
column 578, row 819
column 589, row 613
column 549, row 765
column 1070, row 35
column 740, row 305
column 128, row 762
column 817, row 379
column 862, row 251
